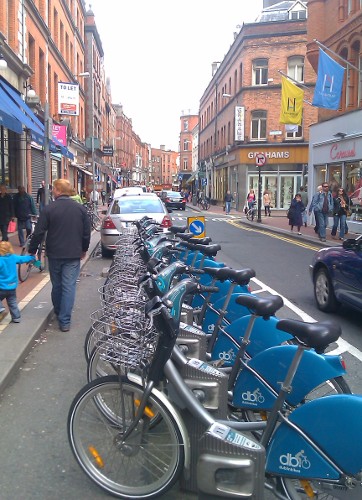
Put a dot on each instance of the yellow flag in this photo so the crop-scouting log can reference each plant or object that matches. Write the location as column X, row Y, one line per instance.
column 292, row 103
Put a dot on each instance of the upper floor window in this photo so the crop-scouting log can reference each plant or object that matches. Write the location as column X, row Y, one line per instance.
column 298, row 14
column 258, row 125
column 186, row 144
column 296, row 68
column 294, row 132
column 260, row 72
column 186, row 125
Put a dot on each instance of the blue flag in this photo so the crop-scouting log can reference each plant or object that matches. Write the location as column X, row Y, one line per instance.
column 328, row 89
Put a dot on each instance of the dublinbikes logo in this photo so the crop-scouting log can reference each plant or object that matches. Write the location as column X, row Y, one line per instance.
column 227, row 356
column 253, row 397
column 295, row 462
column 211, row 328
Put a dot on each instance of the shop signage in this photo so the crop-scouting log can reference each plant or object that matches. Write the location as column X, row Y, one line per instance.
column 68, row 98
column 107, row 150
column 239, row 123
column 339, row 152
column 269, row 154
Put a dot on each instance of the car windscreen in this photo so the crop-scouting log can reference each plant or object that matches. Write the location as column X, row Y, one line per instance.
column 173, row 194
column 136, row 206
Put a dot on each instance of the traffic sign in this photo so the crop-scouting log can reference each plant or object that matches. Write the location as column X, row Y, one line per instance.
column 260, row 159
column 197, row 226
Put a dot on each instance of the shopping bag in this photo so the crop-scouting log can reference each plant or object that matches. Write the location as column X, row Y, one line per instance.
column 12, row 227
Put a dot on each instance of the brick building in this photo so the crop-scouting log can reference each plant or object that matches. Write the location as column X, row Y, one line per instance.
column 239, row 110
column 336, row 140
column 188, row 123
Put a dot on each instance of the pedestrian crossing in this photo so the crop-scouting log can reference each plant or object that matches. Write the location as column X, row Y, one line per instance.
column 207, row 219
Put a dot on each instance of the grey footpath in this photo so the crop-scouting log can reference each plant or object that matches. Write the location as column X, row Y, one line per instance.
column 17, row 340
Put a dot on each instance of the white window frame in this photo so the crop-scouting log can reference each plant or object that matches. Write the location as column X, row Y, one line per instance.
column 296, row 68
column 260, row 121
column 260, row 72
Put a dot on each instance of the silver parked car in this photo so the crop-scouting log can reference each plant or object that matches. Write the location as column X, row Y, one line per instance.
column 126, row 209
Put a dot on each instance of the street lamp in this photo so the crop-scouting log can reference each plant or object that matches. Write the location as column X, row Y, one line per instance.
column 3, row 63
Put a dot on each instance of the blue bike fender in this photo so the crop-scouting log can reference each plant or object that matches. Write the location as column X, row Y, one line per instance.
column 334, row 424
column 273, row 363
column 264, row 335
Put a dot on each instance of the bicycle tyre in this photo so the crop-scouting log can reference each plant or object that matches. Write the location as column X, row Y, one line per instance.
column 150, row 461
column 206, row 205
column 96, row 222
column 24, row 269
column 249, row 215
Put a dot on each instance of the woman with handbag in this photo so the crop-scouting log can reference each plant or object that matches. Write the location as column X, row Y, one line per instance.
column 341, row 204
column 6, row 211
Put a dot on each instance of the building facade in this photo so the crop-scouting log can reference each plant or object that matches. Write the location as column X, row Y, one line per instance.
column 188, row 123
column 239, row 110
column 336, row 140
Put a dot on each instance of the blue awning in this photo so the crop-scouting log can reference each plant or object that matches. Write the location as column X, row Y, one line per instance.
column 16, row 107
column 21, row 111
column 6, row 119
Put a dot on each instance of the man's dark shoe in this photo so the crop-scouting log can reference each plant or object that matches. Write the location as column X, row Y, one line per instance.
column 64, row 328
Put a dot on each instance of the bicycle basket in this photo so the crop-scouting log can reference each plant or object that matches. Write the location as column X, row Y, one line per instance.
column 127, row 340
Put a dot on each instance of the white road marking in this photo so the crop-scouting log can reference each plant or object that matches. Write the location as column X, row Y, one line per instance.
column 342, row 345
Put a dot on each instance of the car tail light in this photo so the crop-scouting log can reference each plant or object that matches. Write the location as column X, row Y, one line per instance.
column 167, row 222
column 108, row 223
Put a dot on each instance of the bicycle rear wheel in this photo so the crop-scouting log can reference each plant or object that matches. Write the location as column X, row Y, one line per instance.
column 250, row 214
column 96, row 222
column 24, row 269
column 147, row 463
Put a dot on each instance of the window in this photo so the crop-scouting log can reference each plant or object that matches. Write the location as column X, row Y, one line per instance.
column 260, row 72
column 298, row 14
column 296, row 68
column 185, row 164
column 186, row 144
column 186, row 125
column 258, row 125
column 295, row 134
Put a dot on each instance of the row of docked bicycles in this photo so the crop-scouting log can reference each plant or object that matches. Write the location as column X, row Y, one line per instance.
column 193, row 377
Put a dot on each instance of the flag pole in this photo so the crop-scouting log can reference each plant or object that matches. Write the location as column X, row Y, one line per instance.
column 336, row 55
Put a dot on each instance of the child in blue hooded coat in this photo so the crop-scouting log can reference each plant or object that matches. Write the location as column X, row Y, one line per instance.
column 9, row 279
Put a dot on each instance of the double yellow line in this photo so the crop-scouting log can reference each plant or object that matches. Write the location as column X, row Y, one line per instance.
column 275, row 235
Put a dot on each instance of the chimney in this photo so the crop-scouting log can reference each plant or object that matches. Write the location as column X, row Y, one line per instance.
column 214, row 67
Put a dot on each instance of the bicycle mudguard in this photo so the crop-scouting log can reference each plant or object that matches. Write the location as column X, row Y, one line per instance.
column 264, row 335
column 333, row 423
column 272, row 365
column 234, row 311
column 174, row 412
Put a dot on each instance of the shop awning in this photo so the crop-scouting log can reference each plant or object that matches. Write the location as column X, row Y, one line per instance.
column 192, row 177
column 16, row 107
column 6, row 119
column 84, row 170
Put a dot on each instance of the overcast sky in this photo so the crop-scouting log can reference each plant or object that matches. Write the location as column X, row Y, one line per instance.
column 158, row 55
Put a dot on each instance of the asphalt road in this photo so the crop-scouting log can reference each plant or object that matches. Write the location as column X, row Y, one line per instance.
column 37, row 462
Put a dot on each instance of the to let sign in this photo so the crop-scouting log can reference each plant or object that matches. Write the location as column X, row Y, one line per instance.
column 260, row 159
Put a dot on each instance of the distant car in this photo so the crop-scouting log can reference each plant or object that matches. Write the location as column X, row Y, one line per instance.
column 337, row 276
column 173, row 199
column 126, row 209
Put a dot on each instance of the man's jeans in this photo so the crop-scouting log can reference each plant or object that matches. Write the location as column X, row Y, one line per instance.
column 10, row 296
column 23, row 224
column 227, row 206
column 63, row 275
column 341, row 219
column 322, row 223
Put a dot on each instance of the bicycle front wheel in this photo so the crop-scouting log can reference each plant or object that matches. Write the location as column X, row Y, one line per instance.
column 250, row 215
column 147, row 463
column 24, row 269
column 206, row 205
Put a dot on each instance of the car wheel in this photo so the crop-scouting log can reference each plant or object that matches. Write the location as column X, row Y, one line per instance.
column 183, row 208
column 324, row 293
column 106, row 253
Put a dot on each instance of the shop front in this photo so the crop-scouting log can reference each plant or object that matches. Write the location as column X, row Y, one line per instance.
column 336, row 157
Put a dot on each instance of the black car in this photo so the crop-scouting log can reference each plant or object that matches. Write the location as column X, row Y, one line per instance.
column 337, row 276
column 173, row 199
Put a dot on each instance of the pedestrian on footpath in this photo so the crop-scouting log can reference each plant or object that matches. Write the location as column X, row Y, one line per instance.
column 24, row 208
column 250, row 199
column 304, row 195
column 66, row 226
column 40, row 196
column 227, row 200
column 295, row 213
column 9, row 279
column 6, row 211
column 94, row 197
column 75, row 196
column 322, row 206
column 267, row 203
column 341, row 206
